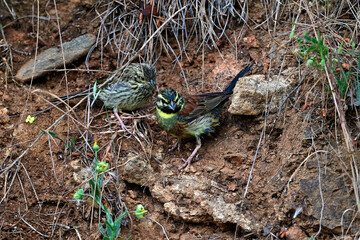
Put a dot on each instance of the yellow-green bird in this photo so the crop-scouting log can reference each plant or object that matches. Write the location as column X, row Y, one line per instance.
column 127, row 90
column 192, row 116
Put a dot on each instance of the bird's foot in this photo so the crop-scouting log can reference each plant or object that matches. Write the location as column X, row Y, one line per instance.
column 121, row 123
column 128, row 116
column 188, row 161
column 186, row 164
column 124, row 127
column 177, row 145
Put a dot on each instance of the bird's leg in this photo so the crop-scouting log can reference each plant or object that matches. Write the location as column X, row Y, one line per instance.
column 176, row 145
column 188, row 161
column 121, row 123
column 128, row 116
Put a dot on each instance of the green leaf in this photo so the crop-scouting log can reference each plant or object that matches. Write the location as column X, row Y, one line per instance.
column 107, row 212
column 94, row 189
column 102, row 230
column 95, row 93
column 309, row 62
column 109, row 229
column 53, row 135
column 79, row 194
column 322, row 62
column 109, row 218
column 102, row 166
column 140, row 211
column 118, row 220
column 342, row 83
column 357, row 80
column 292, row 33
column 72, row 140
column 94, row 89
column 117, row 230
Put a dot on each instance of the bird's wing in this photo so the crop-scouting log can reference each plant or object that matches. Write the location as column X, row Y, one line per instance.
column 201, row 104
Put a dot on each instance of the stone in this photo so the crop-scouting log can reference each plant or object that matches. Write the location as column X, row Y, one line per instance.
column 53, row 58
column 188, row 198
column 337, row 202
column 137, row 170
column 252, row 93
column 4, row 116
column 82, row 176
column 75, row 165
column 295, row 233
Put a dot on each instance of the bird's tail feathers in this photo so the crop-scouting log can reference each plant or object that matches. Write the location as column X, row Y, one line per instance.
column 72, row 96
column 232, row 84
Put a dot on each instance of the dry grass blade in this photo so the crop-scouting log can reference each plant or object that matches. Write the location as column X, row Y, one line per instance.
column 124, row 25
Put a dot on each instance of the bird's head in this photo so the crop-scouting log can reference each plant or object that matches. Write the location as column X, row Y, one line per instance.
column 149, row 73
column 169, row 101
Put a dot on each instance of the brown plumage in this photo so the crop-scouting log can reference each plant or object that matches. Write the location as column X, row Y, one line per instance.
column 127, row 90
column 192, row 116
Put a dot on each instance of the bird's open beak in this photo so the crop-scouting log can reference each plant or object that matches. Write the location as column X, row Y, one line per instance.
column 172, row 105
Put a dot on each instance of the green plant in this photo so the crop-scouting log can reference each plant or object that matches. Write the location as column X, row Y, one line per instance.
column 97, row 182
column 30, row 119
column 313, row 50
column 113, row 229
column 357, row 83
column 317, row 54
column 140, row 211
column 342, row 81
column 70, row 144
column 112, row 226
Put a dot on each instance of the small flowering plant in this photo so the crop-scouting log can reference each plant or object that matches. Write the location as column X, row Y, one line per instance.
column 101, row 167
column 112, row 227
column 140, row 211
column 96, row 147
column 30, row 119
column 79, row 194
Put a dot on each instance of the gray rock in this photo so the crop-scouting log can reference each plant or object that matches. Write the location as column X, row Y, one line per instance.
column 137, row 170
column 251, row 93
column 52, row 58
column 189, row 198
column 4, row 116
column 339, row 204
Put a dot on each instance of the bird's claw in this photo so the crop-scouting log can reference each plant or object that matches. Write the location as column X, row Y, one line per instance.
column 176, row 145
column 121, row 123
column 186, row 164
column 126, row 129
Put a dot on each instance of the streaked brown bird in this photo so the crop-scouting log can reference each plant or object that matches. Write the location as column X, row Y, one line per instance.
column 127, row 90
column 192, row 116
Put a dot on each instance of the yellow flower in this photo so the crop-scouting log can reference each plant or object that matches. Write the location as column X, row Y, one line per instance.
column 30, row 119
column 102, row 167
column 95, row 147
column 79, row 194
column 140, row 211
